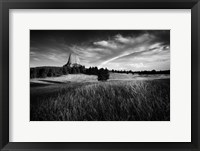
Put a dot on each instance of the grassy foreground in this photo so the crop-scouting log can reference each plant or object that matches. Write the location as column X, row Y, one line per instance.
column 142, row 100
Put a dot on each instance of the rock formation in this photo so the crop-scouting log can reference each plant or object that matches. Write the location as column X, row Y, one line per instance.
column 73, row 60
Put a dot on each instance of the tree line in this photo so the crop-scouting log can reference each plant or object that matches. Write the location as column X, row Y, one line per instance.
column 43, row 72
column 142, row 72
column 103, row 74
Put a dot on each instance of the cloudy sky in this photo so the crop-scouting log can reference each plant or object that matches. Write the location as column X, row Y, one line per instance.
column 113, row 49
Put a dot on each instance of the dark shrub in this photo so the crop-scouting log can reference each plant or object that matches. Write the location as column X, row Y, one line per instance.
column 65, row 71
column 103, row 74
column 33, row 73
column 43, row 72
column 50, row 73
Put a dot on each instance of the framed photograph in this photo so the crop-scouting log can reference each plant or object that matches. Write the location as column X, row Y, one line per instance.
column 99, row 75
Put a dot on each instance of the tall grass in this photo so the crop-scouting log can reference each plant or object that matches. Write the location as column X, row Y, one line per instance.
column 102, row 101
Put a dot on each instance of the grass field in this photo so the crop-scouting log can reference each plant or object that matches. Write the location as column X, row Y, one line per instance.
column 90, row 100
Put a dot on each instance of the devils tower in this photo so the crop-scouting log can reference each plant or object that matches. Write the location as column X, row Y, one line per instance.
column 73, row 61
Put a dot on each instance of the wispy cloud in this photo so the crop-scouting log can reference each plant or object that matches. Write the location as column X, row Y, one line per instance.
column 144, row 51
column 106, row 44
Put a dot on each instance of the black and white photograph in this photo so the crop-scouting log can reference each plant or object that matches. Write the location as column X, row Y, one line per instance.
column 100, row 75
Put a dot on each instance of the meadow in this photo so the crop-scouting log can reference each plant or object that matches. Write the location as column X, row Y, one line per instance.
column 91, row 100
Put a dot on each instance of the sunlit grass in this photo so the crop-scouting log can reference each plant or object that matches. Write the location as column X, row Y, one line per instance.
column 102, row 101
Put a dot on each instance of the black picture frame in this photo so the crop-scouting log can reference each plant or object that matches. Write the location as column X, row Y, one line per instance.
column 5, row 5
